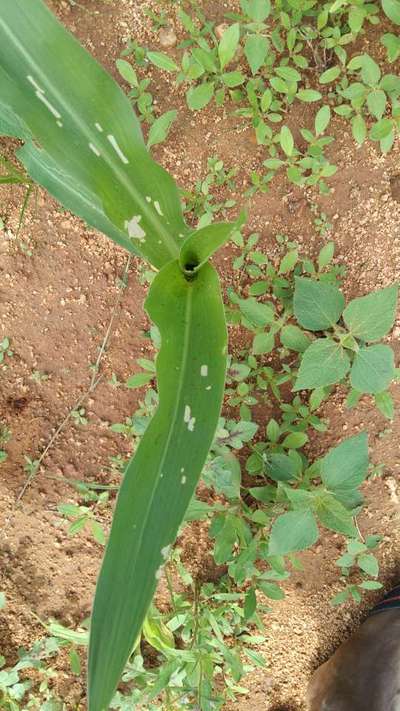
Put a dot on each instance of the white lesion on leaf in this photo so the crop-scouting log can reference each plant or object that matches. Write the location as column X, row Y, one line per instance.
column 135, row 231
column 117, row 148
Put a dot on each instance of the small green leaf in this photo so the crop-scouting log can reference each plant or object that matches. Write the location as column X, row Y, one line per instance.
column 322, row 119
column 385, row 404
column 376, row 102
column 326, row 255
column 295, row 440
column 127, row 72
column 373, row 369
column 333, row 515
column 286, row 140
column 329, row 75
column 293, row 531
column 289, row 261
column 139, row 379
column 371, row 317
column 160, row 128
column 325, row 362
column 228, row 44
column 391, row 8
column 255, row 49
column 346, row 466
column 250, row 604
column 198, row 97
column 258, row 314
column 356, row 18
column 293, row 338
column 162, row 61
column 271, row 590
column 369, row 564
column 308, row 95
column 257, row 10
column 370, row 70
column 263, row 343
column 317, row 305
column 381, row 129
column 371, row 585
column 281, row 467
column 359, row 129
column 157, row 634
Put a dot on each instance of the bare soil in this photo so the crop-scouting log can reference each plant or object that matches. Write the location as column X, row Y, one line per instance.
column 56, row 306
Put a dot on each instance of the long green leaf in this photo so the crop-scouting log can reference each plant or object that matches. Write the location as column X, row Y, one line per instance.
column 81, row 118
column 72, row 195
column 162, row 476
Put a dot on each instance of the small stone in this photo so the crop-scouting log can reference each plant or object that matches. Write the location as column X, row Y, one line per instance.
column 167, row 37
column 220, row 29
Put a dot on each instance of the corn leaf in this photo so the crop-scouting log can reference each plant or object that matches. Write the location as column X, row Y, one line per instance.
column 161, row 478
column 73, row 196
column 81, row 118
column 199, row 246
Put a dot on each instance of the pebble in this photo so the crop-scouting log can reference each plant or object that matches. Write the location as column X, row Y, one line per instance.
column 167, row 37
column 220, row 29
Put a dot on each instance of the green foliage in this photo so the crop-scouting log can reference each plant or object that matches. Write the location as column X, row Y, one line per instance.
column 84, row 144
column 318, row 307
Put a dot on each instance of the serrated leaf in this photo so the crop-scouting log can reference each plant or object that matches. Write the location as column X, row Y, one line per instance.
column 308, row 95
column 326, row 255
column 293, row 531
column 263, row 343
column 160, row 128
column 256, row 49
column 373, row 369
column 376, row 102
column 295, row 440
column 369, row 564
column 317, row 305
column 385, row 404
column 162, row 61
column 322, row 119
column 289, row 261
column 257, row 10
column 329, row 75
column 127, row 72
column 228, row 44
column 333, row 515
column 325, row 362
column 371, row 317
column 139, row 379
column 294, row 338
column 258, row 314
column 346, row 466
column 80, row 117
column 198, row 97
column 166, row 466
column 391, row 8
column 271, row 590
column 286, row 140
column 281, row 467
column 359, row 129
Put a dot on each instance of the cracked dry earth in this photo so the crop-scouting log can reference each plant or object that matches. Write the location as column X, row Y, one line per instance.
column 56, row 303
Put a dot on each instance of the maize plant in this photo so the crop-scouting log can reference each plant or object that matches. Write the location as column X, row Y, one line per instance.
column 83, row 143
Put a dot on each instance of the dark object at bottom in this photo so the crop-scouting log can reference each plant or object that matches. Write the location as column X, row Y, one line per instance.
column 364, row 673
